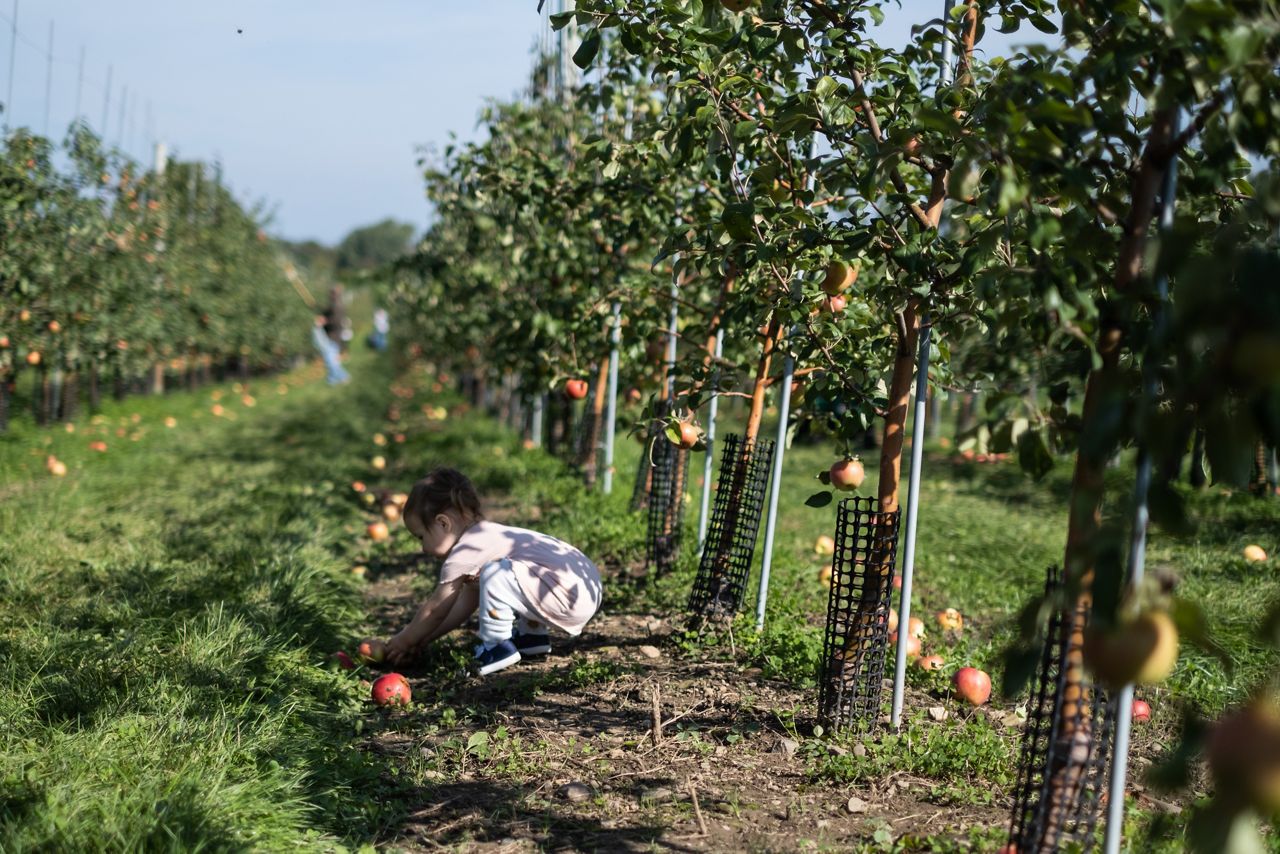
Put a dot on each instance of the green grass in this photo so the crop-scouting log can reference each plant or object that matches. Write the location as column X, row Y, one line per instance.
column 167, row 610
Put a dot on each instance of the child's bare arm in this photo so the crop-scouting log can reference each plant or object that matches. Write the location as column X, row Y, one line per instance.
column 445, row 609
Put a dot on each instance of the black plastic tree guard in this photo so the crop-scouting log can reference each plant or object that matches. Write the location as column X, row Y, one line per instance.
column 856, row 638
column 732, row 531
column 1074, row 751
column 666, row 504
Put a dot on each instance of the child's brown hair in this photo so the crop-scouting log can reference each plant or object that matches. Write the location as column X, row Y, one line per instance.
column 441, row 490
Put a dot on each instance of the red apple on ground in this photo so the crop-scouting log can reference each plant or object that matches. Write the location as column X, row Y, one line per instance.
column 391, row 689
column 378, row 531
column 915, row 627
column 824, row 545
column 1141, row 711
column 931, row 662
column 847, row 474
column 344, row 660
column 576, row 389
column 824, row 576
column 972, row 685
column 1254, row 554
column 893, row 620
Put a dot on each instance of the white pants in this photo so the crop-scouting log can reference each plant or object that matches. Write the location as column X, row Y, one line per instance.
column 503, row 605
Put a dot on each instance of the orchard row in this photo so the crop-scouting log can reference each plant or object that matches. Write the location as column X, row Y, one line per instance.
column 110, row 272
column 794, row 192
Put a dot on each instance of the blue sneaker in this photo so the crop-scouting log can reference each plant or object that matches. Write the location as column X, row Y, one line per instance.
column 533, row 643
column 491, row 659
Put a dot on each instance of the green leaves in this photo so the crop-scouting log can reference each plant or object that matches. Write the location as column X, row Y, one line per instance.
column 587, row 50
column 738, row 220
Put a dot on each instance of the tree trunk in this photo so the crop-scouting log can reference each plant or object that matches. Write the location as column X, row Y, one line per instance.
column 42, row 396
column 5, row 391
column 70, row 396
column 1104, row 390
column 95, row 391
column 157, row 378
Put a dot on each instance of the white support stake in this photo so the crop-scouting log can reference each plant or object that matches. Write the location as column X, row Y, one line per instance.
column 1138, row 536
column 539, row 406
column 913, row 516
column 771, row 522
column 611, row 416
column 705, row 515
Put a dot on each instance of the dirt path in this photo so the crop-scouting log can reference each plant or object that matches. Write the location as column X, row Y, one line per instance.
column 568, row 759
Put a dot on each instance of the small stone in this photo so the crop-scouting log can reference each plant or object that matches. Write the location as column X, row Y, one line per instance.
column 617, row 753
column 574, row 792
column 608, row 650
column 656, row 795
column 859, row 750
column 938, row 713
column 856, row 805
column 650, row 651
column 721, row 750
column 787, row 745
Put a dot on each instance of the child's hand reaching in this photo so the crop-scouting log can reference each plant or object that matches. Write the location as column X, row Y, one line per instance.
column 400, row 649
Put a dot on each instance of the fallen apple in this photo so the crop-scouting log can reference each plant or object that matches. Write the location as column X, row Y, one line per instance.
column 358, row 486
column 893, row 620
column 824, row 576
column 391, row 512
column 1141, row 710
column 1254, row 554
column 379, row 462
column 378, row 531
column 913, row 645
column 972, row 685
column 58, row 468
column 824, row 545
column 915, row 627
column 344, row 660
column 930, row 662
column 950, row 620
column 391, row 689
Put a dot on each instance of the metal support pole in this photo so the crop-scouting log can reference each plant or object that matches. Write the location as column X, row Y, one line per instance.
column 535, row 430
column 672, row 334
column 13, row 55
column 1141, row 516
column 780, row 448
column 48, row 82
column 106, row 106
column 80, row 84
column 705, row 515
column 771, row 521
column 913, row 514
column 611, row 416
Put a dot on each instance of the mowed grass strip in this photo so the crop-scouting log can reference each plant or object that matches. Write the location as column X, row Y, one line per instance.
column 167, row 609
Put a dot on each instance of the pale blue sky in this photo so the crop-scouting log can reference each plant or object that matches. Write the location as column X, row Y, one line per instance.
column 318, row 106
